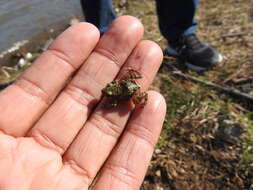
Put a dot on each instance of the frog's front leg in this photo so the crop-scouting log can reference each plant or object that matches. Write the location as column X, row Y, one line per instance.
column 140, row 98
column 132, row 74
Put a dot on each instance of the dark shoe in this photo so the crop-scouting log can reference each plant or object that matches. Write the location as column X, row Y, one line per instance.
column 197, row 56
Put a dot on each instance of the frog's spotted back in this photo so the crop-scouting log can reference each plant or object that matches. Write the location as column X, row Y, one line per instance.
column 125, row 89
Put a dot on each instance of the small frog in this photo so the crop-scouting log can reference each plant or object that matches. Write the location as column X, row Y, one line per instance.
column 125, row 89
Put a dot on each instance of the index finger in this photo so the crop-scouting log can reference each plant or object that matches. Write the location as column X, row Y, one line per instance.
column 24, row 102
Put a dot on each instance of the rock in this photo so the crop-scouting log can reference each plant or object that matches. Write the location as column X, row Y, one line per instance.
column 22, row 62
column 74, row 21
column 158, row 151
column 158, row 173
column 229, row 131
column 28, row 56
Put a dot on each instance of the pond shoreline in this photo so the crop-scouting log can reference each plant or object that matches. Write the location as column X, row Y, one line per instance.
column 27, row 25
column 34, row 43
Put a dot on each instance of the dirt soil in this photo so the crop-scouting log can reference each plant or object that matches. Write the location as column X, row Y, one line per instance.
column 207, row 138
column 206, row 142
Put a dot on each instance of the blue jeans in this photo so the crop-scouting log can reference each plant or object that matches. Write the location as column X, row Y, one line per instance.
column 176, row 17
column 99, row 12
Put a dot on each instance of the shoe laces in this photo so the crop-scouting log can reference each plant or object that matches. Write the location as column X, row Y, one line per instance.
column 192, row 41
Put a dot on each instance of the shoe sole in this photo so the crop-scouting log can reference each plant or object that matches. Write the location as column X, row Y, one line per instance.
column 171, row 52
column 198, row 68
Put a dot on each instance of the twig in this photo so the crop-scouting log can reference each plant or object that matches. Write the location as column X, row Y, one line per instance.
column 7, row 75
column 215, row 86
column 9, row 68
column 234, row 75
column 243, row 80
column 234, row 35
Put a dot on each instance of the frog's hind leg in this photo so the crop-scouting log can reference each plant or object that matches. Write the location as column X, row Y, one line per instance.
column 140, row 98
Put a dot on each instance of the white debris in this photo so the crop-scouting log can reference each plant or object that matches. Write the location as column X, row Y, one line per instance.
column 74, row 21
column 22, row 62
column 47, row 44
column 28, row 56
column 116, row 10
column 158, row 151
column 15, row 47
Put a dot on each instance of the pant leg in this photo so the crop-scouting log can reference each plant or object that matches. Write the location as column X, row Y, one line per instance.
column 176, row 17
column 98, row 12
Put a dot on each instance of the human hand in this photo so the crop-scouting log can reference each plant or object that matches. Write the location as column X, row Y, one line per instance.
column 55, row 135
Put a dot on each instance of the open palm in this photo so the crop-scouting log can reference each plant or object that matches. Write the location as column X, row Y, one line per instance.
column 54, row 133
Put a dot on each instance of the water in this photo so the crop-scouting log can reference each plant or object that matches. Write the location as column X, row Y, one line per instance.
column 22, row 19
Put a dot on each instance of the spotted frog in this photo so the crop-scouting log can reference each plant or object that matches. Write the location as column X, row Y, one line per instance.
column 125, row 89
